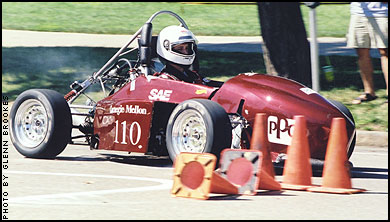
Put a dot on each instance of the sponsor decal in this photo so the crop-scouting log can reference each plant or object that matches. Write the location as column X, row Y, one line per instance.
column 128, row 109
column 166, row 44
column 200, row 91
column 280, row 130
column 133, row 136
column 250, row 73
column 107, row 120
column 161, row 95
column 308, row 91
column 132, row 85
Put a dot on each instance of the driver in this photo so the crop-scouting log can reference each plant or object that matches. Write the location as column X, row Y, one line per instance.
column 176, row 49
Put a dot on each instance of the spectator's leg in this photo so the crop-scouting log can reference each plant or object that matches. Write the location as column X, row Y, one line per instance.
column 385, row 65
column 366, row 70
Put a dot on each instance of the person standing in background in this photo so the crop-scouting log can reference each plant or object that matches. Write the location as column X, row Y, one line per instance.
column 368, row 29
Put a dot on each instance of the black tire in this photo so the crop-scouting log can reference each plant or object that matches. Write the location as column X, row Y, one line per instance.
column 40, row 123
column 211, row 123
column 348, row 113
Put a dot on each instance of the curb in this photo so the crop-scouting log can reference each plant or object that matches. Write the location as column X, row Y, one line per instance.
column 372, row 138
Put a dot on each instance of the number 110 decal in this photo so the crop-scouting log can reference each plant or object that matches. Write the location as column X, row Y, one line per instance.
column 134, row 132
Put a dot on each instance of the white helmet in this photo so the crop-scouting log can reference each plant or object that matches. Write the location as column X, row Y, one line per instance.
column 174, row 35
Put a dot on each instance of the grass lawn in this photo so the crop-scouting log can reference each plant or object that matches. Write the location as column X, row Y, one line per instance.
column 127, row 17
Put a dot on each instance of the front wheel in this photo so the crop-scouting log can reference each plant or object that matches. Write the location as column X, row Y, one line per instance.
column 41, row 123
column 198, row 126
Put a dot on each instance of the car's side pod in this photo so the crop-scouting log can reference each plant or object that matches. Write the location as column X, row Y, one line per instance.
column 161, row 113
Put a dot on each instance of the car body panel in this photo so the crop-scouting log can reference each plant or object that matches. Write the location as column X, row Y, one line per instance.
column 281, row 99
column 132, row 106
column 278, row 97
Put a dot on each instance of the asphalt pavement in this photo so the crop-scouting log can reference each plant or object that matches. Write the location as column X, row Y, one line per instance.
column 327, row 46
column 83, row 184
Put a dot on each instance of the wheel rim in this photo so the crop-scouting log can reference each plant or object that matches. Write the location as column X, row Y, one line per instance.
column 30, row 123
column 189, row 132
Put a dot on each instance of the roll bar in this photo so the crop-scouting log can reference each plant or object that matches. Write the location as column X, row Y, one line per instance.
column 135, row 36
column 81, row 87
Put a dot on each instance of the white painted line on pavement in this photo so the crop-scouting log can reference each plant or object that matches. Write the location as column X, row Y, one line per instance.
column 164, row 184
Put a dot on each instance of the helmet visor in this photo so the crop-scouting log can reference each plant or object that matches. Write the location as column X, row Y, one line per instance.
column 186, row 48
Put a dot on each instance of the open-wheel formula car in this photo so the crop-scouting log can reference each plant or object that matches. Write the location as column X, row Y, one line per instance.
column 147, row 114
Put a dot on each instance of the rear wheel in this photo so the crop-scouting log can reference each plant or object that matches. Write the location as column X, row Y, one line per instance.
column 199, row 126
column 41, row 123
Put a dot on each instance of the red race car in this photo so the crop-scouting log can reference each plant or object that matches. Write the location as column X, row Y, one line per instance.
column 148, row 114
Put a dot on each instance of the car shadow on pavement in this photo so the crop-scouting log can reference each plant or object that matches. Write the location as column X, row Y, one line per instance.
column 145, row 160
column 370, row 173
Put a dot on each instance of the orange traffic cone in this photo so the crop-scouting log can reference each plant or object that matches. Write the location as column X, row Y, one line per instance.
column 297, row 170
column 240, row 167
column 221, row 185
column 335, row 177
column 194, row 177
column 260, row 142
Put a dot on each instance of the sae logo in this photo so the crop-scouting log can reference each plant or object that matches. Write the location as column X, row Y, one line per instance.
column 280, row 130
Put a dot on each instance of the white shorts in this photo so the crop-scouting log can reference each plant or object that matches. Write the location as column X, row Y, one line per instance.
column 367, row 32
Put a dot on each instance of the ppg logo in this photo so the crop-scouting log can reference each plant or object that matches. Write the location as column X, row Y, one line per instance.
column 280, row 130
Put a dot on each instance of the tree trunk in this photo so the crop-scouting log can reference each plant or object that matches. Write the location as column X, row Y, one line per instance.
column 285, row 39
column 267, row 61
